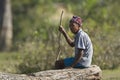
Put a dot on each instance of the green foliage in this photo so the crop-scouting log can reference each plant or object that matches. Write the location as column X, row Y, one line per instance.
column 38, row 57
column 36, row 25
column 10, row 61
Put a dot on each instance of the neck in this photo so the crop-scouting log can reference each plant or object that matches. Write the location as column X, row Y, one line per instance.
column 77, row 31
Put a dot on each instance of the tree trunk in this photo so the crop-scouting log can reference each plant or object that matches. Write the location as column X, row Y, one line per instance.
column 2, row 3
column 6, row 32
column 92, row 73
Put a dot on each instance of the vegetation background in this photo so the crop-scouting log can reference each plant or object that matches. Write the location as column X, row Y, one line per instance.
column 35, row 39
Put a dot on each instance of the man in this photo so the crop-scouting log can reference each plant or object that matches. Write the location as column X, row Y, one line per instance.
column 82, row 43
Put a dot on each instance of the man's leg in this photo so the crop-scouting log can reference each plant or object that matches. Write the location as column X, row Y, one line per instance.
column 60, row 64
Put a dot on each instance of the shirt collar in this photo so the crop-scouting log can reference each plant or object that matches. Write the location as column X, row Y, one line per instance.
column 79, row 31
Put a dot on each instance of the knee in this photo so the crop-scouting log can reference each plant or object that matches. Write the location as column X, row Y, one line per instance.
column 59, row 64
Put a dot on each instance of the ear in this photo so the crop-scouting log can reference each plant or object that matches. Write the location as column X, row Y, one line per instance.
column 80, row 25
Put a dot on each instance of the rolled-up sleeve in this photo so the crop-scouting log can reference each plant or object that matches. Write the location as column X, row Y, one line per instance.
column 80, row 43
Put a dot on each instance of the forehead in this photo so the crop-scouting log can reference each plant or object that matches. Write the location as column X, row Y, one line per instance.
column 72, row 24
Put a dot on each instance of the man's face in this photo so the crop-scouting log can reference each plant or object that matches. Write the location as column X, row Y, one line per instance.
column 74, row 27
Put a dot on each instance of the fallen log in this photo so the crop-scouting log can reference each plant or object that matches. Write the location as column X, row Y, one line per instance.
column 92, row 73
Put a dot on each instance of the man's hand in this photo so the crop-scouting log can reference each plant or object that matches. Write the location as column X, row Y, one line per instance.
column 61, row 29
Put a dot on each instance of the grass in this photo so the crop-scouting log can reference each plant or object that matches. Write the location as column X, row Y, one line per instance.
column 9, row 61
column 111, row 74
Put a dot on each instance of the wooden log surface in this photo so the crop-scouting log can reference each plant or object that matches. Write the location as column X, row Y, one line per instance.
column 91, row 73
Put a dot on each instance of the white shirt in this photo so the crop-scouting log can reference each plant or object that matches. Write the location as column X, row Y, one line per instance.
column 82, row 41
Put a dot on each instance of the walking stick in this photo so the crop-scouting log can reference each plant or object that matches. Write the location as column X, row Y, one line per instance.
column 59, row 37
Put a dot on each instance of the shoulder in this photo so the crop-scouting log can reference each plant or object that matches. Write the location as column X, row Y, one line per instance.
column 82, row 33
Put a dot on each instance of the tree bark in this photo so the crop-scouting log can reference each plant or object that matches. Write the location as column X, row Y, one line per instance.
column 2, row 3
column 92, row 73
column 6, row 32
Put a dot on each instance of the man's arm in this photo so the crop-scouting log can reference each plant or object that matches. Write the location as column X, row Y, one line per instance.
column 78, row 57
column 68, row 39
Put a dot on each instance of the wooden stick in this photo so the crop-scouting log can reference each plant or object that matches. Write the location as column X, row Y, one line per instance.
column 59, row 37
